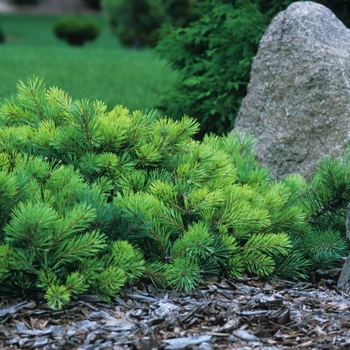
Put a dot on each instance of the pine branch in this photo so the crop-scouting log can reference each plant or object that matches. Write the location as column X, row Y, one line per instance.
column 109, row 282
column 330, row 188
column 295, row 267
column 324, row 248
column 85, row 118
column 236, row 266
column 57, row 296
column 183, row 274
column 273, row 244
column 60, row 103
column 79, row 248
column 197, row 242
column 32, row 97
column 258, row 263
column 129, row 259
column 77, row 221
column 76, row 283
column 155, row 271
column 31, row 225
column 12, row 114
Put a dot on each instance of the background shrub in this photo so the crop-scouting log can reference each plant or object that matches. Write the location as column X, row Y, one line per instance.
column 26, row 2
column 76, row 31
column 2, row 36
column 180, row 12
column 39, row 51
column 137, row 22
column 93, row 3
column 213, row 56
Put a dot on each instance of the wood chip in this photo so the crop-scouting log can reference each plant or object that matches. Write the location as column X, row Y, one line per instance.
column 230, row 314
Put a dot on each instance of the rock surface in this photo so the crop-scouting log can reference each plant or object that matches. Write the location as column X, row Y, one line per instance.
column 298, row 100
column 344, row 278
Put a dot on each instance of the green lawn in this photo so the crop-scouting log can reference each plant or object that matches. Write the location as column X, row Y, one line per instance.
column 100, row 70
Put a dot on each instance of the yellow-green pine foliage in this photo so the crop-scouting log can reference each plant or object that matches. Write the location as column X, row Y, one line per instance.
column 93, row 199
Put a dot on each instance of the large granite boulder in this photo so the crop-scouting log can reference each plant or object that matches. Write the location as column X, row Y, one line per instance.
column 298, row 100
column 344, row 278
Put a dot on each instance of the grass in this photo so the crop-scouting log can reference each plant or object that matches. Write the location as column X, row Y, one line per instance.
column 101, row 69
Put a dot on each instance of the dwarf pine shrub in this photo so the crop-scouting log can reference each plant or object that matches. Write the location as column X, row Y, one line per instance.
column 92, row 200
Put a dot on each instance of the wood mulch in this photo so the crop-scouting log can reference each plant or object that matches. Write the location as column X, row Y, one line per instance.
column 244, row 313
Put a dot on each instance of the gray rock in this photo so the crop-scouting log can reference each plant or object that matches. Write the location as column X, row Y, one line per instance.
column 344, row 278
column 298, row 100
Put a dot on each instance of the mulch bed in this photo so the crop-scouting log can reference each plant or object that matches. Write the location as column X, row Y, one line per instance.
column 244, row 313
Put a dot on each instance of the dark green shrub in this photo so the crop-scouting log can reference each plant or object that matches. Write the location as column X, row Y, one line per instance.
column 77, row 30
column 180, row 12
column 96, row 4
column 26, row 2
column 213, row 56
column 91, row 200
column 2, row 36
column 137, row 22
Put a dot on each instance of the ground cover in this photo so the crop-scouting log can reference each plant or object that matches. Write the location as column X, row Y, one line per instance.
column 101, row 70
